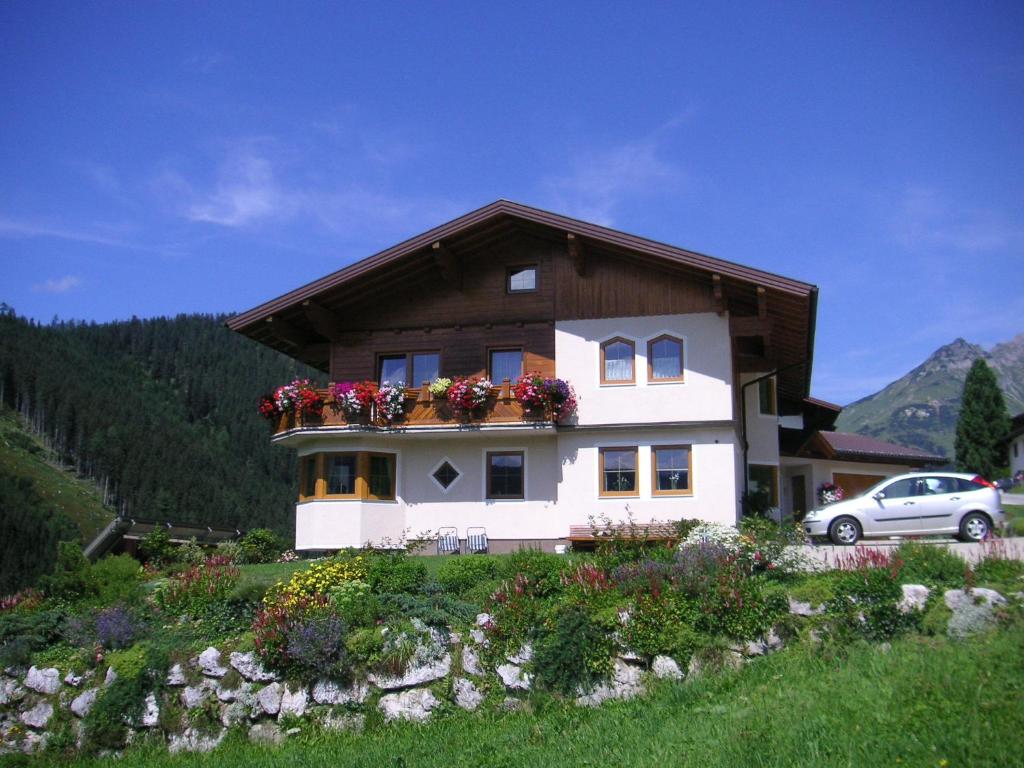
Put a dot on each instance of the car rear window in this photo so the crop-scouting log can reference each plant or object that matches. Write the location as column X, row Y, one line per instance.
column 965, row 486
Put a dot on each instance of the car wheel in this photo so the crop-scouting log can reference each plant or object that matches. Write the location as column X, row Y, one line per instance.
column 974, row 527
column 844, row 531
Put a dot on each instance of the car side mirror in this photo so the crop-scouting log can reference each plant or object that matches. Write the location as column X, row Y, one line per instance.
column 879, row 496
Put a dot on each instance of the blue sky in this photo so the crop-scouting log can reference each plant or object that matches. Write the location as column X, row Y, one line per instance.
column 158, row 158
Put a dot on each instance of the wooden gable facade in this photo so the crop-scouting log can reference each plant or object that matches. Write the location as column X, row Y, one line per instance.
column 445, row 291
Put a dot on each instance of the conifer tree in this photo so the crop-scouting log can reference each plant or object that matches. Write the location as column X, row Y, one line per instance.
column 984, row 424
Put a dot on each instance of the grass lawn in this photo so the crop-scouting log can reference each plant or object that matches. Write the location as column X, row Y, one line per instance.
column 926, row 702
column 1014, row 519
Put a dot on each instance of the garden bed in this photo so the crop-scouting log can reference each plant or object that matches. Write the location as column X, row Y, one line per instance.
column 213, row 652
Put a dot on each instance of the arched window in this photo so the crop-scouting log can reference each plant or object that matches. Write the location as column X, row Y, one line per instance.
column 617, row 361
column 665, row 359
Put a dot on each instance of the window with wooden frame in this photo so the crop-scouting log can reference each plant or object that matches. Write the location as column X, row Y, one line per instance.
column 766, row 397
column 671, row 470
column 522, row 279
column 665, row 359
column 763, row 485
column 504, row 364
column 341, row 474
column 617, row 361
column 617, row 468
column 308, row 476
column 380, row 476
column 409, row 369
column 351, row 475
column 506, row 474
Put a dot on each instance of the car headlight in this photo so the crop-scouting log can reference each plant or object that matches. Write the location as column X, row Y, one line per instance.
column 812, row 515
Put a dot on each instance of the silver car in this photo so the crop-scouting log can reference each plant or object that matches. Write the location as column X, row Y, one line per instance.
column 916, row 504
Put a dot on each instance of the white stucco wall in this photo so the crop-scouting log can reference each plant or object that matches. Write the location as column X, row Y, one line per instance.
column 704, row 395
column 713, row 478
column 561, row 486
column 818, row 471
column 1017, row 455
column 762, row 429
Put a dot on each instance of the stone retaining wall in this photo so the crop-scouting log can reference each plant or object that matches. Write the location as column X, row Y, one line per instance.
column 215, row 691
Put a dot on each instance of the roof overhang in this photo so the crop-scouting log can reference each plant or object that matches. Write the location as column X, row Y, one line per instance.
column 302, row 322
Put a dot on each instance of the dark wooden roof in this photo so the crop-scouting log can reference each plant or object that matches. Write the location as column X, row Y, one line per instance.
column 847, row 446
column 1017, row 425
column 283, row 323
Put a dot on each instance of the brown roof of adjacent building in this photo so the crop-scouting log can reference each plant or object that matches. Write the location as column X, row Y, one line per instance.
column 847, row 445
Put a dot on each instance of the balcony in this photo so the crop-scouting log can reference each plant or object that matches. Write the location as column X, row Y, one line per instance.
column 421, row 411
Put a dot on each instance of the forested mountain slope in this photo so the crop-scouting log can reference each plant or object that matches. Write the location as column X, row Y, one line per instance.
column 160, row 414
column 41, row 504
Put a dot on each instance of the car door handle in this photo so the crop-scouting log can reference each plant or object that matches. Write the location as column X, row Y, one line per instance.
column 908, row 503
column 954, row 498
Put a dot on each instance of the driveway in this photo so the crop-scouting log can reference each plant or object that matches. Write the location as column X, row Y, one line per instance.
column 1012, row 548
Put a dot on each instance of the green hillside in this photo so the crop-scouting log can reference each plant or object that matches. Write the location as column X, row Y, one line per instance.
column 24, row 456
column 40, row 505
column 921, row 408
column 160, row 414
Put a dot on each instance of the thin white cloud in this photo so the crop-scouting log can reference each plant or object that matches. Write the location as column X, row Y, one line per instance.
column 246, row 192
column 58, row 285
column 926, row 219
column 12, row 228
column 599, row 181
column 259, row 181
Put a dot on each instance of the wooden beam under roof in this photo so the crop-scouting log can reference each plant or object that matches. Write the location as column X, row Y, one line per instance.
column 287, row 332
column 716, row 284
column 577, row 254
column 323, row 320
column 448, row 263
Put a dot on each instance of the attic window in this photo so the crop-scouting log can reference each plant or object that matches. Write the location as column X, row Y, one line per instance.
column 522, row 279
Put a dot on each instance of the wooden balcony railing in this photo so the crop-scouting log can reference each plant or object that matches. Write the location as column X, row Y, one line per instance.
column 421, row 408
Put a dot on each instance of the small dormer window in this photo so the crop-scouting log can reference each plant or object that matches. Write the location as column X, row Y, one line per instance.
column 522, row 279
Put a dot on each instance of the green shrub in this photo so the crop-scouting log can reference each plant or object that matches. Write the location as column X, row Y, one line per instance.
column 355, row 603
column 118, row 580
column 140, row 669
column 260, row 545
column 865, row 604
column 542, row 571
column 574, row 654
column 432, row 607
column 661, row 625
column 24, row 633
column 816, row 589
column 72, row 577
column 364, row 645
column 198, row 589
column 394, row 573
column 157, row 549
column 192, row 552
column 932, row 565
column 998, row 570
column 741, row 607
column 515, row 611
column 462, row 573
